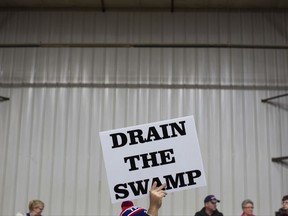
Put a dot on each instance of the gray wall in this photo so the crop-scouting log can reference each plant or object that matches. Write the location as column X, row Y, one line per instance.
column 60, row 98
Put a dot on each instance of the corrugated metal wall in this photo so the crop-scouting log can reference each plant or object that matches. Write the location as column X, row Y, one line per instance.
column 60, row 98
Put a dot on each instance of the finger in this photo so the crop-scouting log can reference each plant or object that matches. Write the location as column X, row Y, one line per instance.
column 162, row 187
column 163, row 193
column 154, row 186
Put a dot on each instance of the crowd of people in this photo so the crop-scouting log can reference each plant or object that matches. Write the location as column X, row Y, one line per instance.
column 209, row 209
column 156, row 195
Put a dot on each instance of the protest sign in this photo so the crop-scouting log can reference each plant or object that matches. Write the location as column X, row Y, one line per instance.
column 166, row 152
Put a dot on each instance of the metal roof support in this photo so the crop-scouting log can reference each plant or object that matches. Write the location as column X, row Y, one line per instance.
column 279, row 159
column 172, row 6
column 2, row 99
column 103, row 6
column 271, row 98
column 141, row 45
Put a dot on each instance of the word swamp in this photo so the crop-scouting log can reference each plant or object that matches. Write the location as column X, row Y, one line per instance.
column 141, row 187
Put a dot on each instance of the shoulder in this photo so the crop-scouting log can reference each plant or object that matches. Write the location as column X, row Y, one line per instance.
column 282, row 212
column 217, row 213
column 200, row 213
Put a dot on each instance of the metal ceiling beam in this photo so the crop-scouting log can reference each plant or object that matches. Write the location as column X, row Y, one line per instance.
column 271, row 98
column 2, row 99
column 172, row 6
column 103, row 8
column 279, row 159
column 139, row 45
column 131, row 85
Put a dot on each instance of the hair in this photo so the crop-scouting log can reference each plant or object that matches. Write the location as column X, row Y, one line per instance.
column 33, row 204
column 245, row 202
column 285, row 198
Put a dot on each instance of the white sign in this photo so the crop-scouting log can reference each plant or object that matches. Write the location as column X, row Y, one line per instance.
column 166, row 152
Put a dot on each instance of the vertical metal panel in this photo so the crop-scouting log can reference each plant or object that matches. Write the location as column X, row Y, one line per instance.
column 53, row 134
column 49, row 144
column 53, row 152
column 110, row 65
column 239, row 27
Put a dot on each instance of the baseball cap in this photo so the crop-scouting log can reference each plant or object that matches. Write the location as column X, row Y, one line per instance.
column 211, row 198
column 129, row 209
column 134, row 211
column 126, row 204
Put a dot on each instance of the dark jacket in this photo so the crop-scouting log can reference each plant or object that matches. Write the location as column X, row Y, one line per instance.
column 203, row 213
column 28, row 214
column 282, row 212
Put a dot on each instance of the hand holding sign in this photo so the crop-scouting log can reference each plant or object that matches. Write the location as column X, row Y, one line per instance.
column 166, row 152
column 156, row 194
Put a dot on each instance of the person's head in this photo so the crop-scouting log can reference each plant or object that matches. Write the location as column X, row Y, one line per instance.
column 36, row 207
column 285, row 202
column 210, row 203
column 126, row 204
column 247, row 207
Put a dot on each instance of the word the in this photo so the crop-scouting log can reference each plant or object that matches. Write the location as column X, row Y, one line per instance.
column 165, row 157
